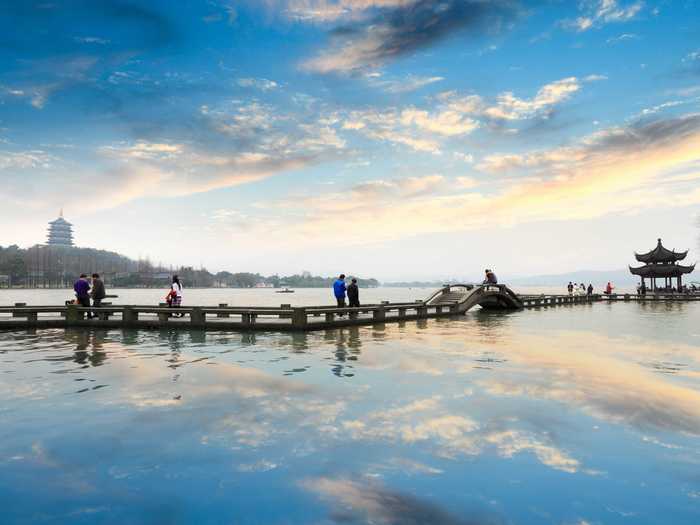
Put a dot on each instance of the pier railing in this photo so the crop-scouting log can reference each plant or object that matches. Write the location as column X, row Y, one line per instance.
column 284, row 317
column 223, row 316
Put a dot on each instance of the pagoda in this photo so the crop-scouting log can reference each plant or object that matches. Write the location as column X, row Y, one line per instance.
column 662, row 263
column 60, row 232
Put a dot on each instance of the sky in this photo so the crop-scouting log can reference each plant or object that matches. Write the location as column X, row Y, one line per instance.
column 396, row 139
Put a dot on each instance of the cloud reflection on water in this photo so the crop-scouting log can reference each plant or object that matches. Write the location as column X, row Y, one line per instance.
column 363, row 502
column 419, row 404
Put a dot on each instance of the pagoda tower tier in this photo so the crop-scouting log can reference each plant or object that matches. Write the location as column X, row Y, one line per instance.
column 60, row 232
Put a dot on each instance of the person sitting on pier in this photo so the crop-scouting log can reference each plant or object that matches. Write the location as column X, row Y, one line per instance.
column 174, row 298
column 82, row 292
column 339, row 290
column 98, row 290
column 353, row 294
column 490, row 277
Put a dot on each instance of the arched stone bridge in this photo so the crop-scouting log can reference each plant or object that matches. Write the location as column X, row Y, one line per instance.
column 467, row 296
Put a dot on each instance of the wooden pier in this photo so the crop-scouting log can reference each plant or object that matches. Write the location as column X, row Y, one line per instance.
column 450, row 301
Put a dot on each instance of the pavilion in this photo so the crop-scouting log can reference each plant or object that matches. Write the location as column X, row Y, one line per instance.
column 662, row 263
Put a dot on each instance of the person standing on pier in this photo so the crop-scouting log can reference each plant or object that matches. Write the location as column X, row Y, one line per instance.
column 82, row 292
column 354, row 294
column 339, row 290
column 570, row 288
column 98, row 290
column 609, row 288
column 590, row 289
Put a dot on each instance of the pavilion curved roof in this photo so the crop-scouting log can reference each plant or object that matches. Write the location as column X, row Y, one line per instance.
column 662, row 270
column 660, row 254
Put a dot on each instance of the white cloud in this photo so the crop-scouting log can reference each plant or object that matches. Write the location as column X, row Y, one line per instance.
column 508, row 106
column 92, row 40
column 263, row 84
column 405, row 85
column 628, row 167
column 622, row 38
column 601, row 12
column 25, row 159
column 692, row 56
column 332, row 10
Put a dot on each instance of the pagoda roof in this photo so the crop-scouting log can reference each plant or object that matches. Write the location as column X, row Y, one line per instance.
column 660, row 254
column 662, row 270
column 60, row 222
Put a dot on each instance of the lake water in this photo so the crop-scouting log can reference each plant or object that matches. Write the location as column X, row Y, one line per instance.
column 568, row 416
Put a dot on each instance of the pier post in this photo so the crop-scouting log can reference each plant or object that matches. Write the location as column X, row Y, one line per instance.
column 222, row 315
column 19, row 305
column 285, row 307
column 129, row 315
column 247, row 319
column 299, row 319
column 330, row 316
column 454, row 307
column 73, row 315
column 379, row 313
column 422, row 309
column 197, row 317
column 402, row 313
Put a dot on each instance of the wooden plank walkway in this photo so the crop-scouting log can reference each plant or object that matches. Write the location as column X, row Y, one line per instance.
column 282, row 318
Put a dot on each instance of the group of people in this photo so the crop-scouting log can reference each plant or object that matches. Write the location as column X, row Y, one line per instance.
column 340, row 290
column 581, row 289
column 87, row 289
column 92, row 290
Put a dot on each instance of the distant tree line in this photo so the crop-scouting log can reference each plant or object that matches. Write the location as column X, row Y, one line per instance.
column 58, row 267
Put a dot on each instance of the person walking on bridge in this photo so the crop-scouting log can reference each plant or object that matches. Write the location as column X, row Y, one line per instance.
column 339, row 290
column 354, row 294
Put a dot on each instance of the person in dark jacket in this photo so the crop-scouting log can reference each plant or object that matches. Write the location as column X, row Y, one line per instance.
column 339, row 290
column 82, row 292
column 490, row 277
column 98, row 290
column 354, row 294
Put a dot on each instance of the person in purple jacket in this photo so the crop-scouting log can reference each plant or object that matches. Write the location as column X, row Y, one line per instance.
column 82, row 292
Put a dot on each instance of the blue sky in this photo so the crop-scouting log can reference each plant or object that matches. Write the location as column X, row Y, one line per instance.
column 392, row 138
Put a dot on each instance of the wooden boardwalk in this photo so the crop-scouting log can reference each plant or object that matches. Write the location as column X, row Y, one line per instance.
column 288, row 318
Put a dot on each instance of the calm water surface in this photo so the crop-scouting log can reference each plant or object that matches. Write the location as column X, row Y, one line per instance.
column 569, row 416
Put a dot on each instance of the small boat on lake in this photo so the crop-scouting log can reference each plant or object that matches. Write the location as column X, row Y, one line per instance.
column 286, row 290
